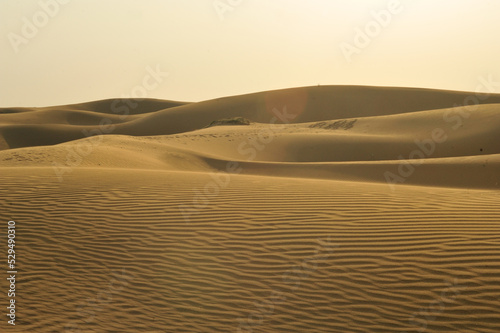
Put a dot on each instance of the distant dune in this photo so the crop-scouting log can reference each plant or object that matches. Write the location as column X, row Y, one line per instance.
column 353, row 133
column 317, row 209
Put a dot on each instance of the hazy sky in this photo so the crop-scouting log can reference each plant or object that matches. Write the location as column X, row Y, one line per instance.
column 68, row 51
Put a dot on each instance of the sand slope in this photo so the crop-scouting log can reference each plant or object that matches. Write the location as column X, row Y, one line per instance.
column 338, row 209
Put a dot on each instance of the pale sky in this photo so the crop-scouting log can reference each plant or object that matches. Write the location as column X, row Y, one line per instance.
column 69, row 51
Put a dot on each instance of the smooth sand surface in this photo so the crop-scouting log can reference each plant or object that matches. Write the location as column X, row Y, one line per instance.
column 338, row 209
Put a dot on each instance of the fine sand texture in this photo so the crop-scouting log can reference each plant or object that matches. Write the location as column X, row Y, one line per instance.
column 318, row 209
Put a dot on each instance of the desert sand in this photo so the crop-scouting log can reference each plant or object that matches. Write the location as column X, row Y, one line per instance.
column 333, row 209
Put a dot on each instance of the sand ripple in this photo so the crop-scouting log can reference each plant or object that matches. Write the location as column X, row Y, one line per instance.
column 110, row 251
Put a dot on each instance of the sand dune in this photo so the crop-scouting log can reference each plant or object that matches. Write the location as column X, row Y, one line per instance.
column 296, row 105
column 337, row 209
column 386, row 148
